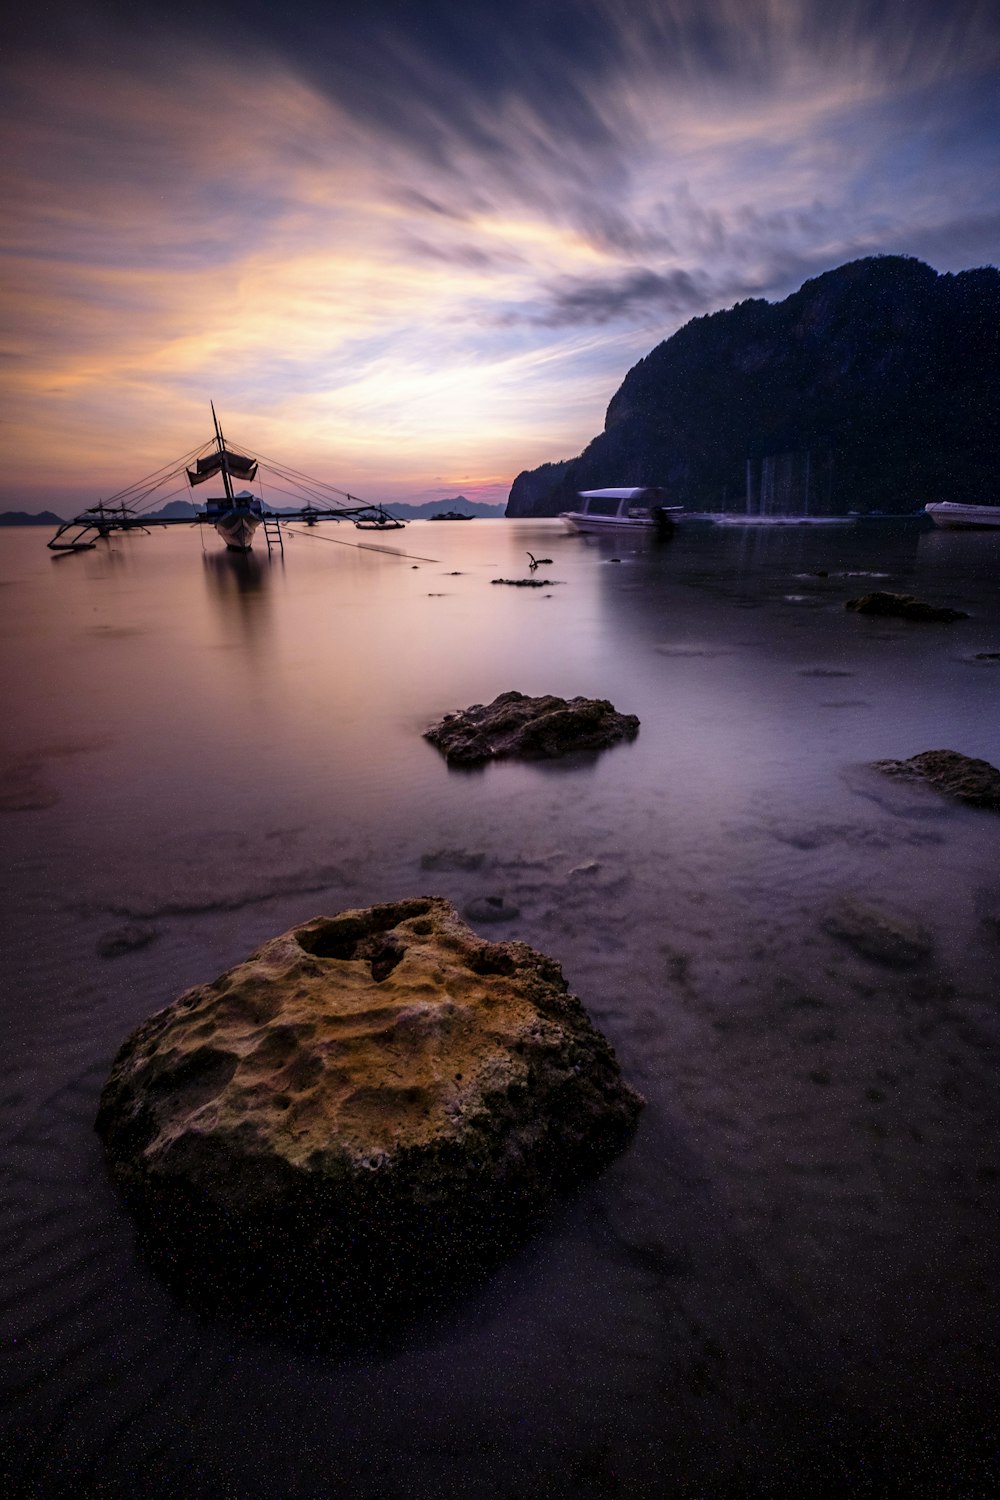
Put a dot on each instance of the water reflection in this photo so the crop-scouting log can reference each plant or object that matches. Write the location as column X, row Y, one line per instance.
column 238, row 585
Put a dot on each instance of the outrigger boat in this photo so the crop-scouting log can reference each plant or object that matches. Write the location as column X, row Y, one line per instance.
column 236, row 515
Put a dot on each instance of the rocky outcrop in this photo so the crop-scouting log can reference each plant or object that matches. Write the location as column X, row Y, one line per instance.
column 975, row 782
column 370, row 1106
column 903, row 607
column 882, row 372
column 532, row 728
column 532, row 487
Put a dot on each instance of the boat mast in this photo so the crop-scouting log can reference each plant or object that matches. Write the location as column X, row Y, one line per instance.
column 226, row 480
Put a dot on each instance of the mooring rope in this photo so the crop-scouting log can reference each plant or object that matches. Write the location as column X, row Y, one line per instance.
column 368, row 546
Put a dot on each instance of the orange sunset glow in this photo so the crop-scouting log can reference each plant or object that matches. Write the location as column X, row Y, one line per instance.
column 414, row 253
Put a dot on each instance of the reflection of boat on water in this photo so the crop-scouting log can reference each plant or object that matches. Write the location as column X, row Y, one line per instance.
column 235, row 515
column 641, row 508
column 952, row 516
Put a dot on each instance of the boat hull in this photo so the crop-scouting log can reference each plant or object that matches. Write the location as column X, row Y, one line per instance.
column 237, row 529
column 575, row 520
column 954, row 517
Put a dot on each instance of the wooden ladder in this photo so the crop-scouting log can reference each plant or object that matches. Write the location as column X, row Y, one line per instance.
column 272, row 535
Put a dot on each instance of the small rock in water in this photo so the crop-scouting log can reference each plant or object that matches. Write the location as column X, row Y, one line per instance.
column 974, row 782
column 873, row 933
column 532, row 728
column 904, row 606
column 126, row 939
column 367, row 1110
column 491, row 909
column 526, row 583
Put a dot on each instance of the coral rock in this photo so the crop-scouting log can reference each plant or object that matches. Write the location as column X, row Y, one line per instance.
column 532, row 728
column 370, row 1106
column 960, row 776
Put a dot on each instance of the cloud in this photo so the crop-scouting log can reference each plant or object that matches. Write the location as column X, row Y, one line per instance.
column 399, row 234
column 651, row 294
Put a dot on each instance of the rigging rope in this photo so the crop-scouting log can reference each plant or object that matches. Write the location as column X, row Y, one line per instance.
column 367, row 546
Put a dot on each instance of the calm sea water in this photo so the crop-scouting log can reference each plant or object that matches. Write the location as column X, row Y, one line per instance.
column 787, row 1284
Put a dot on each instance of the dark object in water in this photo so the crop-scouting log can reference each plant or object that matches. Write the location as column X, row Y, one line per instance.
column 904, row 607
column 532, row 728
column 452, row 515
column 886, row 939
column 126, row 939
column 538, row 562
column 974, row 782
column 491, row 909
column 526, row 583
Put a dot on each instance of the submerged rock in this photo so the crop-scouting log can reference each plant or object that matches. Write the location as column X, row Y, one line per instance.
column 975, row 782
column 904, row 606
column 126, row 939
column 875, row 934
column 533, row 728
column 491, row 909
column 452, row 859
column 369, row 1108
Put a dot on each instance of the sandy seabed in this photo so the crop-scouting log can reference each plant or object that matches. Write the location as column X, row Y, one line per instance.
column 786, row 1285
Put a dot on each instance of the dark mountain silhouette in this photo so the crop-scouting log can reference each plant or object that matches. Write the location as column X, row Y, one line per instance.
column 877, row 384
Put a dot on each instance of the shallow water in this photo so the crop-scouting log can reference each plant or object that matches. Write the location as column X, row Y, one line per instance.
column 788, row 1282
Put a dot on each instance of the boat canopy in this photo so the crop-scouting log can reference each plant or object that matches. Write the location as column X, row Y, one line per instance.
column 636, row 492
column 242, row 468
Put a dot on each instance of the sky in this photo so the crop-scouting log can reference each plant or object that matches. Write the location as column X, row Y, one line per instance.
column 413, row 246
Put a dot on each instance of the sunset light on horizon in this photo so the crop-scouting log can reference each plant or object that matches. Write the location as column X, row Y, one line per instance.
column 414, row 249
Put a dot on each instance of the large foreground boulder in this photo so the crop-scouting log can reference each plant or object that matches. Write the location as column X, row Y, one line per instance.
column 963, row 777
column 368, row 1109
column 532, row 728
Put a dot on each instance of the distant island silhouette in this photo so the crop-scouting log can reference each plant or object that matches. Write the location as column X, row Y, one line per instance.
column 874, row 386
column 22, row 518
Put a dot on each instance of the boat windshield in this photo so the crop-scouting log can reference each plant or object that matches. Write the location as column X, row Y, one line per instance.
column 602, row 505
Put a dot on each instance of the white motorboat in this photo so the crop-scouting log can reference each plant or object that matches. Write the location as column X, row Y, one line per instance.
column 969, row 517
column 640, row 508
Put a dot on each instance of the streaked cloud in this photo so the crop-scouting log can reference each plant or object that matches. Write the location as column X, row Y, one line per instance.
column 403, row 243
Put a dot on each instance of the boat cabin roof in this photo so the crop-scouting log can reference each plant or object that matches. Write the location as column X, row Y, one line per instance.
column 635, row 493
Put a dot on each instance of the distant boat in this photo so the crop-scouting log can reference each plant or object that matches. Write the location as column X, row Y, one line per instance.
column 640, row 508
column 452, row 515
column 948, row 514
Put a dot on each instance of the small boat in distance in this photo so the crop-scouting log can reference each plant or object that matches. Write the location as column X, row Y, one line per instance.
column 452, row 515
column 952, row 516
column 640, row 508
